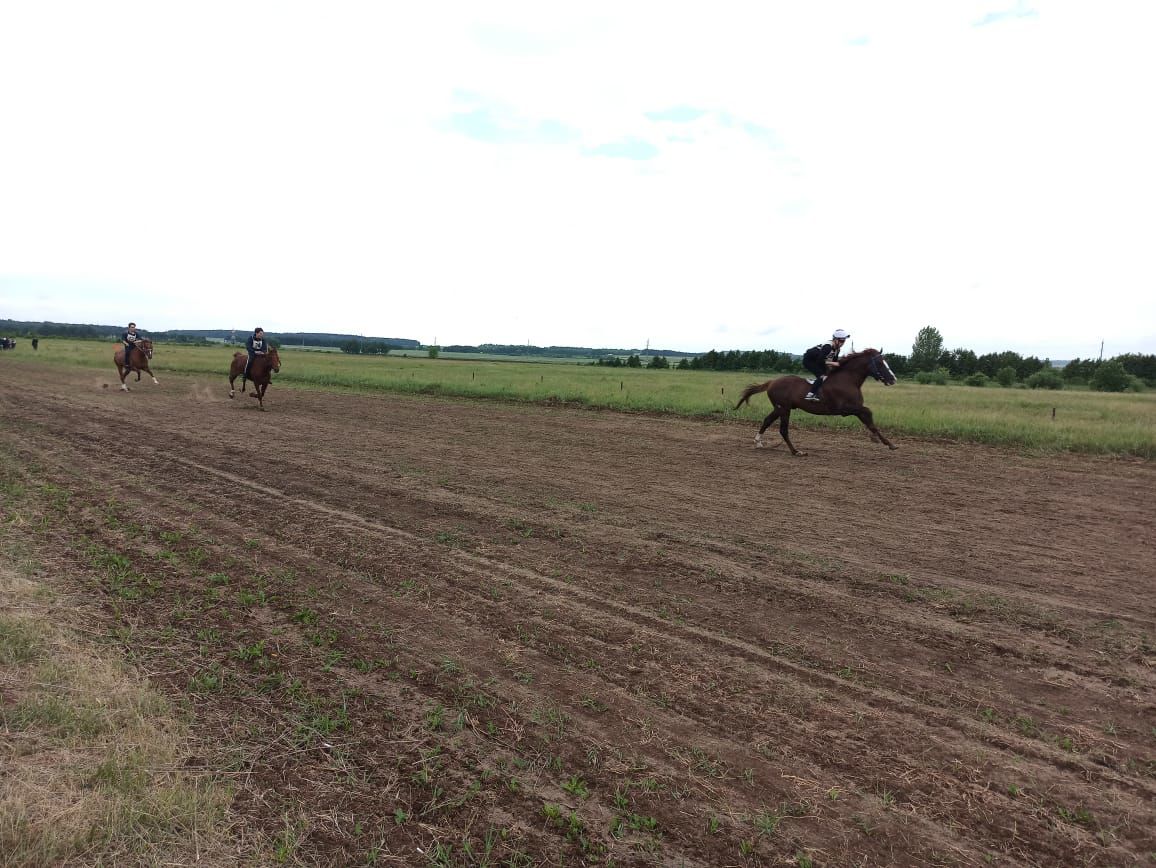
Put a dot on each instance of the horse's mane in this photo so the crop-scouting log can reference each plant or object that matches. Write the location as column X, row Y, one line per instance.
column 851, row 357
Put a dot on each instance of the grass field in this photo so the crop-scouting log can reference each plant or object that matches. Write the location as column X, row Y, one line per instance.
column 1070, row 420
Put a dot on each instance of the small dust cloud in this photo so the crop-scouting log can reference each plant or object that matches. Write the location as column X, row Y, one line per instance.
column 201, row 392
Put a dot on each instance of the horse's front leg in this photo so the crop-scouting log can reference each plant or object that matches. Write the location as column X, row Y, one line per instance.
column 866, row 417
column 151, row 374
column 122, row 372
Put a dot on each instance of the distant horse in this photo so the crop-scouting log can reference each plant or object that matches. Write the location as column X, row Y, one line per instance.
column 260, row 374
column 841, row 395
column 138, row 361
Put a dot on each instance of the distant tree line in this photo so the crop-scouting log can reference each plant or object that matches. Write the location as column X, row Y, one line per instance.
column 366, row 348
column 59, row 329
column 742, row 360
column 1134, row 364
column 930, row 363
column 960, row 363
column 554, row 352
column 192, row 336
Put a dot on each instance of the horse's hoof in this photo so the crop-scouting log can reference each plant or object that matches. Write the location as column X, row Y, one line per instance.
column 892, row 447
column 799, row 454
column 758, row 442
column 230, row 393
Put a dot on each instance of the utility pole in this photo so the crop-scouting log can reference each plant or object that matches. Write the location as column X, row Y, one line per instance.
column 1101, row 351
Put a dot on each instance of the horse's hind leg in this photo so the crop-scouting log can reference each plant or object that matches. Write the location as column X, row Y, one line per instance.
column 232, row 377
column 767, row 423
column 866, row 417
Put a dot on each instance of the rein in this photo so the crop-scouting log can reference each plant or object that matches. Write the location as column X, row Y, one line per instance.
column 147, row 352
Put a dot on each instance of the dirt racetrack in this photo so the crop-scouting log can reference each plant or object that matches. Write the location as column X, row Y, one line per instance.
column 427, row 631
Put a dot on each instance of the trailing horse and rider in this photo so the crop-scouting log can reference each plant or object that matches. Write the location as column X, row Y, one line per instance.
column 837, row 390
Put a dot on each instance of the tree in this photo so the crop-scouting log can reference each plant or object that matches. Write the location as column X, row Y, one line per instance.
column 1045, row 378
column 927, row 349
column 1006, row 375
column 963, row 363
column 1080, row 370
column 1111, row 377
column 1142, row 366
column 899, row 365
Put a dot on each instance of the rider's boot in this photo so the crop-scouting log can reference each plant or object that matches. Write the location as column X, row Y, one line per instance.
column 813, row 395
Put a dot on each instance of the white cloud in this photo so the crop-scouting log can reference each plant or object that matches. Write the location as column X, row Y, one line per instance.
column 877, row 167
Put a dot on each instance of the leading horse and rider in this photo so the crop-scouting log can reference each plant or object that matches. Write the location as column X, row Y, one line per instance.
column 837, row 389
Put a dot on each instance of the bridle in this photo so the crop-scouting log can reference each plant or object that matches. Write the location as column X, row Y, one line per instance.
column 146, row 351
column 272, row 363
column 885, row 375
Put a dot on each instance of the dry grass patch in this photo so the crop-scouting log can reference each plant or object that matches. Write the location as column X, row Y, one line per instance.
column 92, row 758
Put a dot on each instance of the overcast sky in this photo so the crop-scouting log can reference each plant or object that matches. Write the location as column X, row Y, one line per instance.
column 692, row 175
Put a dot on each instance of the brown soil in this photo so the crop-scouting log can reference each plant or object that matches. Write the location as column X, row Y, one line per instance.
column 408, row 628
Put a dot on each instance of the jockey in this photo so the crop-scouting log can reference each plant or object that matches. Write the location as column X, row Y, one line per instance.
column 129, row 339
column 257, row 345
column 822, row 358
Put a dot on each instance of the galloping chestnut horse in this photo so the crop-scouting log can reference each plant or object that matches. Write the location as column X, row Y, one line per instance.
column 260, row 374
column 138, row 361
column 841, row 395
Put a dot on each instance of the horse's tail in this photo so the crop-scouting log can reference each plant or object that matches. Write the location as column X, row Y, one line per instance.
column 753, row 389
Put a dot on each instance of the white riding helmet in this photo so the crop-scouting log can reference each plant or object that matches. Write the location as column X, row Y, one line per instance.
column 840, row 335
